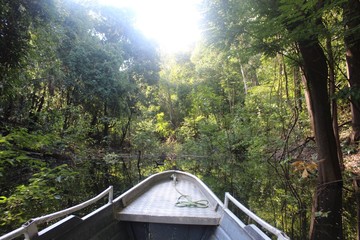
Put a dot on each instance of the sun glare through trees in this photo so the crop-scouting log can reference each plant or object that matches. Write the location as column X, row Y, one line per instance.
column 172, row 23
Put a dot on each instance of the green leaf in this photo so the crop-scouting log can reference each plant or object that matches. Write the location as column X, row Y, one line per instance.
column 3, row 199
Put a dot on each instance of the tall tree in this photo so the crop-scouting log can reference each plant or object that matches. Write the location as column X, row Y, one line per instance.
column 108, row 66
column 352, row 43
column 327, row 218
column 18, row 21
column 327, row 210
column 274, row 26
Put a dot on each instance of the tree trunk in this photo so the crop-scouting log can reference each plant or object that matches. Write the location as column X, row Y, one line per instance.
column 125, row 129
column 334, row 111
column 326, row 220
column 352, row 43
column 171, row 108
column 243, row 74
column 286, row 79
column 308, row 102
column 357, row 197
column 297, row 89
column 105, row 122
column 138, row 164
column 244, row 79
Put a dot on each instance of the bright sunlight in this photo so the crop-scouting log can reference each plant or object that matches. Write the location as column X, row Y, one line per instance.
column 172, row 23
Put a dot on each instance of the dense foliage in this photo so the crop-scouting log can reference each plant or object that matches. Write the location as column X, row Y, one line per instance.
column 86, row 102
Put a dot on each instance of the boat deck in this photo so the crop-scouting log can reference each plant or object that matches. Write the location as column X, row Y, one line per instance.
column 148, row 211
column 157, row 205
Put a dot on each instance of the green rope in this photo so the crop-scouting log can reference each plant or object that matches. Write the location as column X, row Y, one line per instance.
column 186, row 200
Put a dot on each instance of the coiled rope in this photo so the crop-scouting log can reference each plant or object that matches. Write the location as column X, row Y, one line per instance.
column 186, row 200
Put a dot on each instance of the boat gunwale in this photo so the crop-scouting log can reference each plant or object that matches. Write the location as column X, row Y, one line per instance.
column 130, row 195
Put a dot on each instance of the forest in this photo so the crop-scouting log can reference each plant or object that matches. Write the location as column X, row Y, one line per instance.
column 266, row 107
